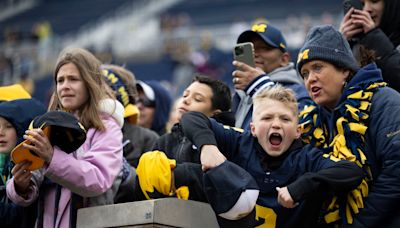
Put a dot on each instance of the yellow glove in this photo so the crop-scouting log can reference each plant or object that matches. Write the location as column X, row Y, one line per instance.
column 155, row 174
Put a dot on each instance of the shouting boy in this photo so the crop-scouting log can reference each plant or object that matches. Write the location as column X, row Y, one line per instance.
column 293, row 180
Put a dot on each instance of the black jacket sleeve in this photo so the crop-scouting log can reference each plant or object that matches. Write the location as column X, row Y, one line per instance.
column 197, row 128
column 341, row 177
column 191, row 175
column 388, row 58
column 160, row 143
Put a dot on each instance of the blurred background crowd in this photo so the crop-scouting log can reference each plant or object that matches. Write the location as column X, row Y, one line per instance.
column 164, row 40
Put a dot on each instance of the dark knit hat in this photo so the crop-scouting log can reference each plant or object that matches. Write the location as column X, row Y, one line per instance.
column 327, row 44
column 63, row 130
column 117, row 84
column 66, row 131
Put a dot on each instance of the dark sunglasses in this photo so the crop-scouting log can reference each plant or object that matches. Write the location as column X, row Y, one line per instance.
column 146, row 102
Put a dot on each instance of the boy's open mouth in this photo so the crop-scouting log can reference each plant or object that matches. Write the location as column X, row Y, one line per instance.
column 275, row 139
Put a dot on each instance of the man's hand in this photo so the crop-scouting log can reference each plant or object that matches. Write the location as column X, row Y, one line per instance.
column 211, row 157
column 284, row 198
column 244, row 74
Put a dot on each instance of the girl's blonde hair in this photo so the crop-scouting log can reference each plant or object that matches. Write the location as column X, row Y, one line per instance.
column 89, row 68
column 278, row 93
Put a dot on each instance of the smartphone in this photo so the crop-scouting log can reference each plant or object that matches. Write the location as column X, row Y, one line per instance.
column 347, row 4
column 244, row 52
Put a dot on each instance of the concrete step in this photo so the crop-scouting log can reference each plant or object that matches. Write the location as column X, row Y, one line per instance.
column 169, row 212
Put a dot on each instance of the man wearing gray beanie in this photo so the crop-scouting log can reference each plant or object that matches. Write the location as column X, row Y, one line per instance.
column 354, row 117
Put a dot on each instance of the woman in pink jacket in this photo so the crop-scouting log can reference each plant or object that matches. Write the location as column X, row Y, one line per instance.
column 70, row 181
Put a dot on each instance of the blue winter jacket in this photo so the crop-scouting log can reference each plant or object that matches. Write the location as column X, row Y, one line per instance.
column 306, row 173
column 382, row 149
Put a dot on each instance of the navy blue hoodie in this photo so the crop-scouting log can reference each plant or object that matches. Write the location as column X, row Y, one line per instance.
column 19, row 113
column 163, row 103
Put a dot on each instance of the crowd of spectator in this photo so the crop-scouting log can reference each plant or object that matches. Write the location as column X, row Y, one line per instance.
column 287, row 140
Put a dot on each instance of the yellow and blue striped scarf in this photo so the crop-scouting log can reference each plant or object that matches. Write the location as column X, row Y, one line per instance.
column 348, row 142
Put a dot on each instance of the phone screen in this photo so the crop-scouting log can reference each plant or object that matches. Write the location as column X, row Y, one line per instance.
column 347, row 4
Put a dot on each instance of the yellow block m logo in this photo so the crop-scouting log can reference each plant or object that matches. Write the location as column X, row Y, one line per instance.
column 259, row 27
column 303, row 55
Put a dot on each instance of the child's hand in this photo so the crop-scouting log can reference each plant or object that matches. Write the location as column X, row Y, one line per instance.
column 211, row 157
column 284, row 198
column 22, row 177
column 40, row 144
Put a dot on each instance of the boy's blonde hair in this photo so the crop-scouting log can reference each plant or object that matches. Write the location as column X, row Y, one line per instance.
column 278, row 93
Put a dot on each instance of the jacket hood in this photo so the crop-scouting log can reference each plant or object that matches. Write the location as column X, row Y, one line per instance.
column 390, row 21
column 163, row 102
column 20, row 113
column 367, row 74
column 114, row 108
column 286, row 75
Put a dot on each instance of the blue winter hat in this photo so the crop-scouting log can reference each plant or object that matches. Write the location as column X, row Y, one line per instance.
column 327, row 44
column 271, row 35
column 231, row 191
column 20, row 113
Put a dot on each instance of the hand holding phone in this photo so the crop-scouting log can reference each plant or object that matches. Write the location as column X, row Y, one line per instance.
column 348, row 28
column 347, row 4
column 244, row 52
column 246, row 69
